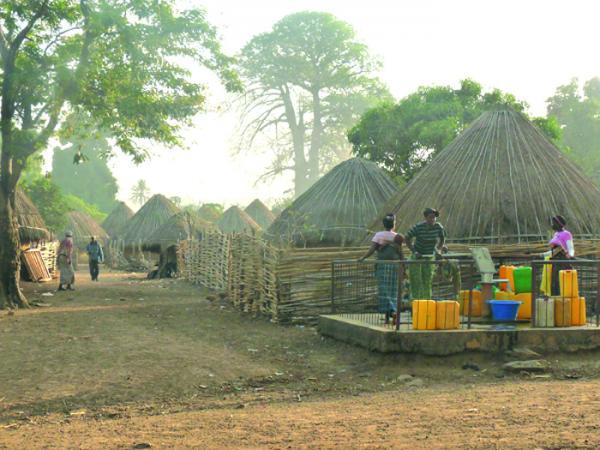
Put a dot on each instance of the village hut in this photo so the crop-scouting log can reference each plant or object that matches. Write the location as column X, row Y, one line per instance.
column 181, row 226
column 116, row 221
column 31, row 224
column 148, row 219
column 209, row 212
column 500, row 181
column 83, row 227
column 337, row 209
column 260, row 214
column 234, row 220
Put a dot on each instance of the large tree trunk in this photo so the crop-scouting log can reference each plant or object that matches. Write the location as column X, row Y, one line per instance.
column 10, row 252
column 315, row 140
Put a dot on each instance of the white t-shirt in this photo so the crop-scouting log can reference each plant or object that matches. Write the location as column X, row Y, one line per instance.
column 382, row 237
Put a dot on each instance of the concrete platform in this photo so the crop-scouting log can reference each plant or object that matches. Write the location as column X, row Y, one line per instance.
column 446, row 342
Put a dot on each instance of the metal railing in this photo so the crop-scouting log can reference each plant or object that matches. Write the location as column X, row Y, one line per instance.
column 379, row 292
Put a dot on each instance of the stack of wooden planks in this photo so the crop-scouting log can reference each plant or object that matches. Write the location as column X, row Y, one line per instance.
column 35, row 266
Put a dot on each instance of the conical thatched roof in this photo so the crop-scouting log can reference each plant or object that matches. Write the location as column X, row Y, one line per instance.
column 501, row 180
column 148, row 219
column 338, row 208
column 31, row 224
column 116, row 221
column 234, row 220
column 183, row 225
column 260, row 214
column 83, row 227
column 209, row 212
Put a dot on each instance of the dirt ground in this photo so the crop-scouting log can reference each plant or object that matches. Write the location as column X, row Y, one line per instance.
column 128, row 362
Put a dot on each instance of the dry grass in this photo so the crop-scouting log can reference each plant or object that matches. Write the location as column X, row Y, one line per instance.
column 31, row 224
column 148, row 219
column 260, row 214
column 501, row 180
column 337, row 209
column 116, row 221
column 83, row 226
column 234, row 220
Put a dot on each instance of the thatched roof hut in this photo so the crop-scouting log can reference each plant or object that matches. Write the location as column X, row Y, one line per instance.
column 83, row 227
column 116, row 221
column 183, row 225
column 31, row 224
column 337, row 209
column 209, row 212
column 500, row 180
column 234, row 220
column 148, row 219
column 260, row 214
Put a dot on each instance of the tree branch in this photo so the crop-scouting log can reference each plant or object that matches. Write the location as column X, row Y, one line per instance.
column 3, row 44
column 25, row 31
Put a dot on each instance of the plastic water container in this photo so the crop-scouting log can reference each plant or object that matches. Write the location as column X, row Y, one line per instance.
column 569, row 287
column 477, row 308
column 504, row 310
column 578, row 313
column 447, row 315
column 562, row 311
column 502, row 295
column 544, row 312
column 506, row 272
column 522, row 279
column 423, row 314
column 525, row 308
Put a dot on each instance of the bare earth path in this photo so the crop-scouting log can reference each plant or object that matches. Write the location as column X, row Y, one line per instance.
column 129, row 362
column 528, row 415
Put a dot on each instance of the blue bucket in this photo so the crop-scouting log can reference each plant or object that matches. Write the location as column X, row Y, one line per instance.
column 504, row 310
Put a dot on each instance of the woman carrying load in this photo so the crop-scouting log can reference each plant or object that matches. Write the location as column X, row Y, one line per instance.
column 561, row 248
column 388, row 245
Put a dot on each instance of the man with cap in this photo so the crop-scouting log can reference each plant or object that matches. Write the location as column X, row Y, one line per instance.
column 95, row 257
column 429, row 238
column 65, row 263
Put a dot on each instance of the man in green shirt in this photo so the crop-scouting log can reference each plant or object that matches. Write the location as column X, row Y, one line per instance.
column 429, row 238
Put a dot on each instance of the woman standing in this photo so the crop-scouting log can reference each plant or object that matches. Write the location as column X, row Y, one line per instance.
column 65, row 262
column 561, row 248
column 388, row 245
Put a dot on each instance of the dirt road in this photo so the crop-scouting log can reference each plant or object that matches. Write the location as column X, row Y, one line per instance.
column 527, row 415
column 128, row 361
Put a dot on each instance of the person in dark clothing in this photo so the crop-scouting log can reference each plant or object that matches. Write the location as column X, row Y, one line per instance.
column 95, row 256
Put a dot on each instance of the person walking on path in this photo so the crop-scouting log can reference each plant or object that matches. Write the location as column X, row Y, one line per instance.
column 95, row 257
column 65, row 263
column 388, row 245
column 429, row 239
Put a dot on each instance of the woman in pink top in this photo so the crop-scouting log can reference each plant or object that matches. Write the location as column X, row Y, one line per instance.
column 561, row 248
column 388, row 245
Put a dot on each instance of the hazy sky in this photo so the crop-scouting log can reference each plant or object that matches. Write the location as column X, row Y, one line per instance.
column 526, row 47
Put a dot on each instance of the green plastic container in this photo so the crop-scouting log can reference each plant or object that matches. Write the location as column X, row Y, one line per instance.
column 522, row 276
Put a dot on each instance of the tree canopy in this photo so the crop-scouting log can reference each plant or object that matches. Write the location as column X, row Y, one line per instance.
column 577, row 110
column 80, row 168
column 308, row 80
column 402, row 137
column 124, row 64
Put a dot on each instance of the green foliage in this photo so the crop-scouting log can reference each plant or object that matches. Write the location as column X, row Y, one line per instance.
column 308, row 80
column 75, row 203
column 50, row 202
column 402, row 137
column 577, row 112
column 122, row 63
